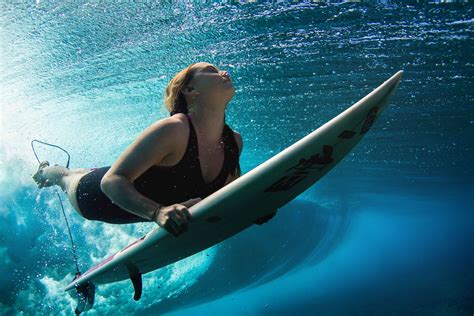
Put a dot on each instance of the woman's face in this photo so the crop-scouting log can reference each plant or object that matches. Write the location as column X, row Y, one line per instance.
column 212, row 83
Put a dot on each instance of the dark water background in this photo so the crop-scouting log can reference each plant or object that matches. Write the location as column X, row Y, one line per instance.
column 387, row 232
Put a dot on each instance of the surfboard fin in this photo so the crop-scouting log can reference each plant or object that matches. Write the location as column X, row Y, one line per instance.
column 85, row 295
column 265, row 218
column 137, row 286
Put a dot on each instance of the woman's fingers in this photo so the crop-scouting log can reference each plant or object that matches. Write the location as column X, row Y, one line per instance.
column 187, row 204
column 177, row 217
column 186, row 214
column 172, row 227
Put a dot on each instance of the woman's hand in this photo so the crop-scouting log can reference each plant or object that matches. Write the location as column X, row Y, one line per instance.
column 174, row 218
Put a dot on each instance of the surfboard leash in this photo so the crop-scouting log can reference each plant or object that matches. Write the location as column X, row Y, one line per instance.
column 60, row 201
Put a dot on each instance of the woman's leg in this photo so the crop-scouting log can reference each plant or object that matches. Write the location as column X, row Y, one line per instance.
column 66, row 179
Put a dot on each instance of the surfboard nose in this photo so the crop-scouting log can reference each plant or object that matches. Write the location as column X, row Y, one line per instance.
column 397, row 76
column 394, row 80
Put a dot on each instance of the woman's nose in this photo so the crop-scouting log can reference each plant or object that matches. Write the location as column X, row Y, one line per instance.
column 226, row 74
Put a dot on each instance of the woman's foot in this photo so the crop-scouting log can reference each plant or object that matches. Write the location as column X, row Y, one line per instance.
column 39, row 176
column 47, row 175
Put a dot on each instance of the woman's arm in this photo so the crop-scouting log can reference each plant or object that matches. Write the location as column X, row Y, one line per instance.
column 150, row 147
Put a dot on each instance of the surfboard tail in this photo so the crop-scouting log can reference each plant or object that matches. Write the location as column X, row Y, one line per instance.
column 84, row 295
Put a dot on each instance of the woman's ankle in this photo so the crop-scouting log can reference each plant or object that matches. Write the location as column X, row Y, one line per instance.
column 55, row 174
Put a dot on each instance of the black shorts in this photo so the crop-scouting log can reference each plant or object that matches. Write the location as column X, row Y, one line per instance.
column 95, row 205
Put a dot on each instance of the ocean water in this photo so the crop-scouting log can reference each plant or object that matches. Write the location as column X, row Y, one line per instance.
column 389, row 231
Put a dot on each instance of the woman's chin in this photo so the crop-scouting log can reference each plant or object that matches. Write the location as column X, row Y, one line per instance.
column 228, row 85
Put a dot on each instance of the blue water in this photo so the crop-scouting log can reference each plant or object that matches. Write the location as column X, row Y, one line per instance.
column 389, row 231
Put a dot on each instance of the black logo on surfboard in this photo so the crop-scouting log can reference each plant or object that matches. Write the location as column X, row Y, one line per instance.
column 302, row 169
column 370, row 119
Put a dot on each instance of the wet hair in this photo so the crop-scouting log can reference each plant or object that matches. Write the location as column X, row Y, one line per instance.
column 174, row 99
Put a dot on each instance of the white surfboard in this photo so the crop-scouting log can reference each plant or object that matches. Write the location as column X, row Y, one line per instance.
column 255, row 194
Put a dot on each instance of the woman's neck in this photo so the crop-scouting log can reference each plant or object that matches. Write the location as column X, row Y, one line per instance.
column 209, row 124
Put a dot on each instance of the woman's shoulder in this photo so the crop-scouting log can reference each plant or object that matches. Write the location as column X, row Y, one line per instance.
column 172, row 131
column 176, row 125
column 176, row 119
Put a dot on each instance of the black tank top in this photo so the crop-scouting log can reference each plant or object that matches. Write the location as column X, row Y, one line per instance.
column 184, row 180
column 165, row 185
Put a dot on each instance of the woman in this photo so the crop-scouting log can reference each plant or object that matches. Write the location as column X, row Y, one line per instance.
column 172, row 165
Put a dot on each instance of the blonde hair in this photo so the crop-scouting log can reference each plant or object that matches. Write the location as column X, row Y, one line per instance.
column 173, row 98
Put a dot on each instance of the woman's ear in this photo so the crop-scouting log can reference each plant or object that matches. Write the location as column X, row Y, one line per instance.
column 190, row 91
column 187, row 90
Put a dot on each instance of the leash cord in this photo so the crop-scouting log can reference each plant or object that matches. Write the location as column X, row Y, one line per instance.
column 61, row 202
